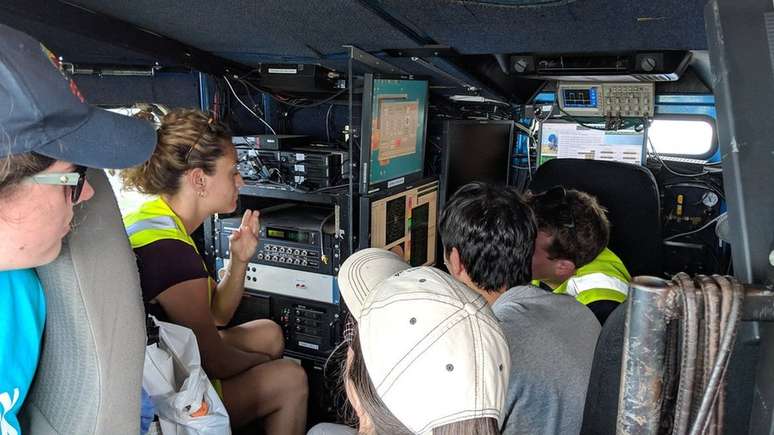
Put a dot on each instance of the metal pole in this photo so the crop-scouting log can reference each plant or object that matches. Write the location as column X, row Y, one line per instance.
column 642, row 367
column 353, row 163
column 758, row 303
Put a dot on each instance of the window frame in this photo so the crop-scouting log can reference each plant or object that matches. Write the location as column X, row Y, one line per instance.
column 688, row 117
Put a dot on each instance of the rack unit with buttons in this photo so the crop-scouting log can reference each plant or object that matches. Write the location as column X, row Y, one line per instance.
column 609, row 100
column 291, row 275
column 311, row 328
column 292, row 236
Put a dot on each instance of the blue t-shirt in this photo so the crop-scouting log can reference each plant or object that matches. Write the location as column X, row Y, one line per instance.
column 22, row 317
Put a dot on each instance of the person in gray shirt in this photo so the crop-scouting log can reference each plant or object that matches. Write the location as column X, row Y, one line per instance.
column 488, row 234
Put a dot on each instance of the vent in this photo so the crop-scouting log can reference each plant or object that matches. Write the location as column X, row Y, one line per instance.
column 575, row 64
column 663, row 66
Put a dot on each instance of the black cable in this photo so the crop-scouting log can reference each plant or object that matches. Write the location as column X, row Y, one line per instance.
column 300, row 106
column 249, row 73
column 620, row 126
column 250, row 97
column 664, row 165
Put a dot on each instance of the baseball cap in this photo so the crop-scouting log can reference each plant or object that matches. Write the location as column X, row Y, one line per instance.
column 432, row 347
column 42, row 111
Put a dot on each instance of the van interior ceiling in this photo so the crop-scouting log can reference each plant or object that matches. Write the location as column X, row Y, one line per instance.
column 672, row 82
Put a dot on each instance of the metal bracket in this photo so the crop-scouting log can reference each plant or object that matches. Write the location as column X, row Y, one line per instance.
column 425, row 51
column 372, row 62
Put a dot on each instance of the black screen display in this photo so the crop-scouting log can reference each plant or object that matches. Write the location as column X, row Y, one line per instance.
column 478, row 152
column 289, row 235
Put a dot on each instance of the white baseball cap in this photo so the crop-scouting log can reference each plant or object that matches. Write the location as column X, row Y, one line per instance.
column 433, row 349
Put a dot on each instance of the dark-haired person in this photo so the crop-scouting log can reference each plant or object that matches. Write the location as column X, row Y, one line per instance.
column 48, row 137
column 488, row 234
column 571, row 255
column 193, row 173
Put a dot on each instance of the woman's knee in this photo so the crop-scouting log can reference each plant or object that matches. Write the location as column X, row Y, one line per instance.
column 276, row 340
column 295, row 378
column 284, row 380
column 264, row 336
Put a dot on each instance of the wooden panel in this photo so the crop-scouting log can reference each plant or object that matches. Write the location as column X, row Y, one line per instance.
column 416, row 197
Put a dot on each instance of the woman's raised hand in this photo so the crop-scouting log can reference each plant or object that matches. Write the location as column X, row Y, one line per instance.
column 244, row 240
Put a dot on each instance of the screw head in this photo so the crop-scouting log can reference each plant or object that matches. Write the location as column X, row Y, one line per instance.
column 648, row 64
column 771, row 258
column 520, row 65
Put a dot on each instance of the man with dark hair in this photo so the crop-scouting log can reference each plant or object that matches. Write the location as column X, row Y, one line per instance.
column 488, row 234
column 571, row 254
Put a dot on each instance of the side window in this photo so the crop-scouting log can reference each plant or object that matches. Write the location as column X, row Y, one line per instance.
column 130, row 200
column 684, row 137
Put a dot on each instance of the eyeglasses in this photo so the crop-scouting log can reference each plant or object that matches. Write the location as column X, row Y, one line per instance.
column 76, row 180
column 554, row 202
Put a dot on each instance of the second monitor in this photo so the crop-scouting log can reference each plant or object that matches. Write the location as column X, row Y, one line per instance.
column 475, row 151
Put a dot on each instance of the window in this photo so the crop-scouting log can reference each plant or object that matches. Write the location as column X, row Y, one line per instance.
column 689, row 137
column 128, row 200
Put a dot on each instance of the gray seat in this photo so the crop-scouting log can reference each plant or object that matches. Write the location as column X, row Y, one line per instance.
column 90, row 371
column 601, row 410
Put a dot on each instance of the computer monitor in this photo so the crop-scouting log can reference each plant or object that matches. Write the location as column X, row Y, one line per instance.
column 563, row 139
column 394, row 119
column 475, row 151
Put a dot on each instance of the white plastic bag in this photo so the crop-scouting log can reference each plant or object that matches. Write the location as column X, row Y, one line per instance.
column 178, row 386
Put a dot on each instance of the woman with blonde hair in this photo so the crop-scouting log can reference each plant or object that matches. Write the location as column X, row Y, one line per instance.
column 193, row 174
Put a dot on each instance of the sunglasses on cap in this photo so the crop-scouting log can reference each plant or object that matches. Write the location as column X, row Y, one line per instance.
column 348, row 334
column 554, row 201
column 211, row 128
column 75, row 180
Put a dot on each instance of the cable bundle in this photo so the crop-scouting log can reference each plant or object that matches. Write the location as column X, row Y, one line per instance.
column 709, row 313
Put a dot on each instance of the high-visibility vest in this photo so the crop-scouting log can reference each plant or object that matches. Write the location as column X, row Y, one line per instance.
column 604, row 279
column 155, row 221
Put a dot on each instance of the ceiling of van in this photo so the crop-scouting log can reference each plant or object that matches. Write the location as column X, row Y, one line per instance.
column 251, row 31
column 255, row 31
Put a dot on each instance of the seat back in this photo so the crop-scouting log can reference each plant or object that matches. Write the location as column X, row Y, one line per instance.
column 630, row 195
column 90, row 372
column 601, row 410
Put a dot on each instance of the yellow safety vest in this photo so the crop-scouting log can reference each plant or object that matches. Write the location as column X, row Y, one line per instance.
column 604, row 279
column 155, row 221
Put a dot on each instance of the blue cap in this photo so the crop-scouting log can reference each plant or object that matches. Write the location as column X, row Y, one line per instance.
column 42, row 111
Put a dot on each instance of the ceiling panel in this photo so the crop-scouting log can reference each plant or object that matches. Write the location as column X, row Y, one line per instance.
column 474, row 27
column 247, row 29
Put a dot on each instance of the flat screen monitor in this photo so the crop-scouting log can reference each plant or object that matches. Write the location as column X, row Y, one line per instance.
column 562, row 139
column 475, row 151
column 393, row 132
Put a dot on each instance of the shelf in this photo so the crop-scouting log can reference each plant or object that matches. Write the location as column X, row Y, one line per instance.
column 326, row 197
